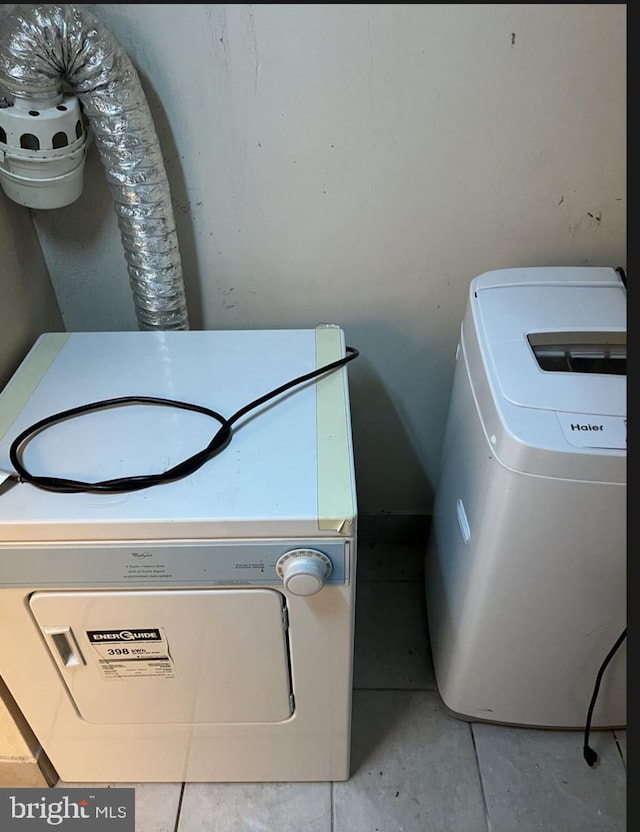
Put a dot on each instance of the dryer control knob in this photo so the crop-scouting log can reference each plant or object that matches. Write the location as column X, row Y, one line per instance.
column 303, row 571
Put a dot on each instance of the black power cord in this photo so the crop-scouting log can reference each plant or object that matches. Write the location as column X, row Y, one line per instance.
column 135, row 483
column 588, row 753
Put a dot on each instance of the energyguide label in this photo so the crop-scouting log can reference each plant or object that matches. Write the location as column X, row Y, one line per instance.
column 133, row 653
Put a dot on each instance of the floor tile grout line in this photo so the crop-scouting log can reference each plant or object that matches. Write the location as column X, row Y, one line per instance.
column 618, row 746
column 482, row 791
column 332, row 805
column 177, row 824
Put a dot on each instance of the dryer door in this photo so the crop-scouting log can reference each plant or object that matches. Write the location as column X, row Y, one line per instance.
column 170, row 656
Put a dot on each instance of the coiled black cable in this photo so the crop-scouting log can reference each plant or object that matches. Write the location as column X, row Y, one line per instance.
column 219, row 441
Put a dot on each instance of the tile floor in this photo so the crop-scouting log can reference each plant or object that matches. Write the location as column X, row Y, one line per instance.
column 414, row 767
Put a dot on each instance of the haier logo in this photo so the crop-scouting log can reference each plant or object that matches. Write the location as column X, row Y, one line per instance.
column 592, row 430
column 33, row 809
column 100, row 636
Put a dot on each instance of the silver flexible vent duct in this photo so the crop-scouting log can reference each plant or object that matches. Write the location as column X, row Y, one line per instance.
column 43, row 46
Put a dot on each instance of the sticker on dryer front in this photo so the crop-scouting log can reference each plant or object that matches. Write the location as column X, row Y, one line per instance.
column 132, row 653
column 590, row 431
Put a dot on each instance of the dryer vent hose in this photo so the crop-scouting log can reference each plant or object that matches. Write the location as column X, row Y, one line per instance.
column 44, row 47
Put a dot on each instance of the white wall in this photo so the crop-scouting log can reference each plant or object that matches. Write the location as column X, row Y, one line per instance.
column 28, row 308
column 360, row 164
column 28, row 305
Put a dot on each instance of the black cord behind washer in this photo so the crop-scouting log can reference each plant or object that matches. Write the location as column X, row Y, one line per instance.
column 587, row 752
column 219, row 441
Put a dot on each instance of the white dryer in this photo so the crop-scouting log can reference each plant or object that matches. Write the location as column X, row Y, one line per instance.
column 201, row 629
column 526, row 564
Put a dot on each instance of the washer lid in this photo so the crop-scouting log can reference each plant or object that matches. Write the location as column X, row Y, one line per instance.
column 552, row 346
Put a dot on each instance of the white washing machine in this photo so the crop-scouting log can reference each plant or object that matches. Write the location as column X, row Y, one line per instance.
column 200, row 629
column 526, row 564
